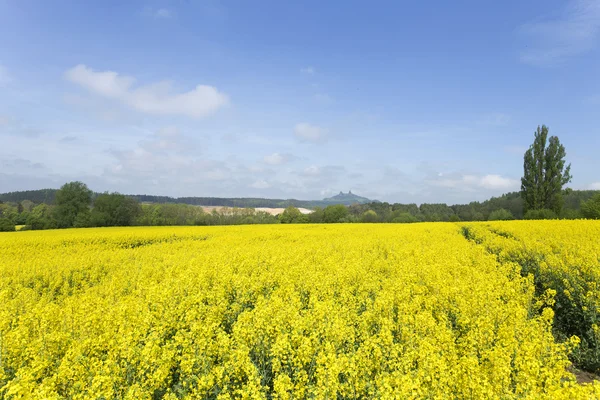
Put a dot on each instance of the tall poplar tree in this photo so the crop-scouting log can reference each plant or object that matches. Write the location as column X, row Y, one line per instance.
column 544, row 173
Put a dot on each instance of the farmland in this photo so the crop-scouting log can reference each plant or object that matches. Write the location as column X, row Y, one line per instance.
column 430, row 310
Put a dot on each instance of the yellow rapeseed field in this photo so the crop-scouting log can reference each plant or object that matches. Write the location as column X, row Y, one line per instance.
column 354, row 311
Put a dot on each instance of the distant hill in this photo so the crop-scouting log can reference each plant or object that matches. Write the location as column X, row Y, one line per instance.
column 348, row 199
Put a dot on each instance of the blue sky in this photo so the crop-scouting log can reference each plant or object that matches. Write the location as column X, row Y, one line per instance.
column 401, row 101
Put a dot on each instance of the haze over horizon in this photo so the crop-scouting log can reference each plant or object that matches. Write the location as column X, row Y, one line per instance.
column 397, row 102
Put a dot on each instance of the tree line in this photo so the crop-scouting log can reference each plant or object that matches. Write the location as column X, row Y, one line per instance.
column 75, row 206
column 48, row 196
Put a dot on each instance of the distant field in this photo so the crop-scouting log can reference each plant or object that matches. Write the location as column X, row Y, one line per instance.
column 19, row 227
column 392, row 311
column 272, row 211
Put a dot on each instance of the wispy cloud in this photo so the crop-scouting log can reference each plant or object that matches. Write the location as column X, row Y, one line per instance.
column 550, row 41
column 310, row 133
column 308, row 70
column 15, row 127
column 260, row 184
column 163, row 13
column 474, row 182
column 158, row 13
column 595, row 186
column 5, row 77
column 277, row 158
column 156, row 98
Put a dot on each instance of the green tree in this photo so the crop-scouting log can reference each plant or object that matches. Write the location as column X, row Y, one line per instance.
column 291, row 215
column 41, row 217
column 317, row 216
column 114, row 209
column 591, row 209
column 404, row 218
column 369, row 216
column 335, row 213
column 540, row 214
column 72, row 198
column 500, row 215
column 27, row 205
column 6, row 225
column 454, row 218
column 544, row 173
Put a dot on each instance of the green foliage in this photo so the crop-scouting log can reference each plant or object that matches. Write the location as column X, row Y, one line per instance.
column 9, row 212
column 72, row 199
column 591, row 208
column 369, row 216
column 35, row 196
column 570, row 214
column 291, row 215
column 83, row 220
column 405, row 218
column 41, row 217
column 544, row 173
column 335, row 213
column 170, row 215
column 540, row 214
column 500, row 215
column 114, row 209
column 6, row 225
column 27, row 205
column 184, row 214
column 21, row 219
column 122, row 210
column 317, row 216
column 436, row 212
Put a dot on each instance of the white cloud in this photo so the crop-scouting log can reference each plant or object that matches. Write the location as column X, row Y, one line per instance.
column 473, row 182
column 595, row 186
column 5, row 77
column 313, row 170
column 498, row 182
column 260, row 184
column 274, row 159
column 167, row 139
column 575, row 31
column 156, row 98
column 163, row 13
column 310, row 133
column 157, row 13
column 308, row 70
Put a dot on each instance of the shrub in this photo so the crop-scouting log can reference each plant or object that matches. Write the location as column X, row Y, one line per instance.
column 335, row 213
column 405, row 218
column 292, row 215
column 500, row 215
column 540, row 214
column 591, row 209
column 6, row 225
column 369, row 216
